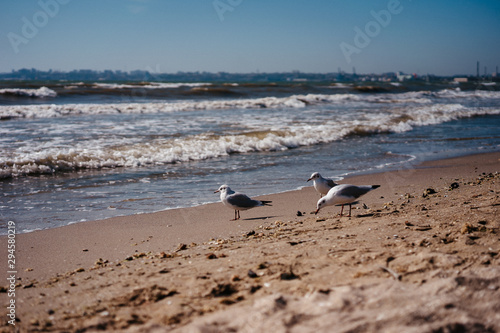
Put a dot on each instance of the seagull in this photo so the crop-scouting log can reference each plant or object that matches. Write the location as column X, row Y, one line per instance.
column 344, row 194
column 238, row 201
column 322, row 185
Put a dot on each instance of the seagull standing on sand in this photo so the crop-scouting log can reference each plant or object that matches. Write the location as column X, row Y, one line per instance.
column 344, row 195
column 322, row 185
column 238, row 201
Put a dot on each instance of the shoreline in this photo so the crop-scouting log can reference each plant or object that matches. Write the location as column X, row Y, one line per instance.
column 161, row 220
column 413, row 162
column 192, row 266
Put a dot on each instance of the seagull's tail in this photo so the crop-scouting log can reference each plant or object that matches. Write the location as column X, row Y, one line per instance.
column 266, row 202
column 375, row 186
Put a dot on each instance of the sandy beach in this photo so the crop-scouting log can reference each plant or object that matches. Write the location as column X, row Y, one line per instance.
column 423, row 256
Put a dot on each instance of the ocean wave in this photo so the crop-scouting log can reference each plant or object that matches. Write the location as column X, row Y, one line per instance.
column 294, row 101
column 149, row 85
column 42, row 92
column 278, row 136
column 60, row 110
column 458, row 93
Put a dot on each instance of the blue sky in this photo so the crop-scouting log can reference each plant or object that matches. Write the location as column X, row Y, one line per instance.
column 442, row 37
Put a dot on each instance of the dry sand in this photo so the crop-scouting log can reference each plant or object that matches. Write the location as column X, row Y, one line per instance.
column 424, row 257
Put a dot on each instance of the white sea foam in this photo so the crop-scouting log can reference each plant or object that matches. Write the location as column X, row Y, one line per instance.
column 57, row 110
column 42, row 92
column 149, row 85
column 253, row 135
column 118, row 145
column 53, row 110
column 294, row 101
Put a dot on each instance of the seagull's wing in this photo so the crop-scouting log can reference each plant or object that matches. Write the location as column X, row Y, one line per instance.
column 242, row 200
column 355, row 191
column 331, row 183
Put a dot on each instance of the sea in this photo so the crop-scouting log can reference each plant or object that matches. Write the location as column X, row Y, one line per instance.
column 72, row 152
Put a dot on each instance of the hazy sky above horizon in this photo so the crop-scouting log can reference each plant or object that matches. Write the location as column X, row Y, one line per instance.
column 443, row 37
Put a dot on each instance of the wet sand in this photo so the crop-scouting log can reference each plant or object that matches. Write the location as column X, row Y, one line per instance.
column 422, row 257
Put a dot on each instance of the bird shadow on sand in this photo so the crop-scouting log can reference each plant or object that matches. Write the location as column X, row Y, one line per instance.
column 352, row 203
column 259, row 218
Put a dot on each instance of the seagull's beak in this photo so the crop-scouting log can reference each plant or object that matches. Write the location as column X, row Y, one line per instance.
column 216, row 191
column 316, row 212
column 309, row 179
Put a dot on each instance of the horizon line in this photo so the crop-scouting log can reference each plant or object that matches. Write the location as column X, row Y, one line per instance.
column 199, row 72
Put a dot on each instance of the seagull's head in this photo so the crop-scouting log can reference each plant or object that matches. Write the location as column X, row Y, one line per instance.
column 321, row 204
column 314, row 176
column 223, row 189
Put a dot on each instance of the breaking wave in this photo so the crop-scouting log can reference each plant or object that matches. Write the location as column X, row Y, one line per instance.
column 295, row 101
column 278, row 135
column 148, row 85
column 55, row 110
column 42, row 92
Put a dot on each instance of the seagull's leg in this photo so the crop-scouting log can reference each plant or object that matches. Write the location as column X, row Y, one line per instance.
column 239, row 215
column 342, row 210
column 349, row 211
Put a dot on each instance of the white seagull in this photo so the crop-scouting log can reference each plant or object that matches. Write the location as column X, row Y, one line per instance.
column 322, row 185
column 344, row 194
column 238, row 201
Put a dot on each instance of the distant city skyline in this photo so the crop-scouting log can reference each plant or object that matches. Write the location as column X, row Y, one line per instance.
column 142, row 74
column 443, row 38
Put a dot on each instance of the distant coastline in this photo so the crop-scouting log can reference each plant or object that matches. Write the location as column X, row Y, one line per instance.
column 199, row 76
